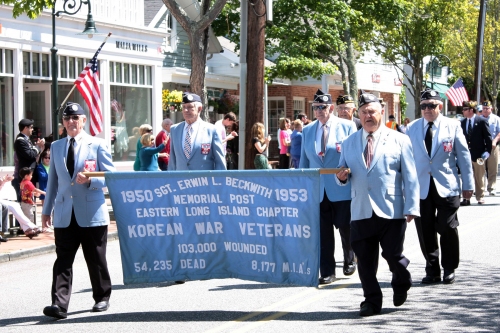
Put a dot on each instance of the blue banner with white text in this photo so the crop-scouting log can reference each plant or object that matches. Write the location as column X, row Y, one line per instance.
column 196, row 225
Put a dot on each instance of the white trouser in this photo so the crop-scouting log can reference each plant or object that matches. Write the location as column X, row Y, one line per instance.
column 15, row 208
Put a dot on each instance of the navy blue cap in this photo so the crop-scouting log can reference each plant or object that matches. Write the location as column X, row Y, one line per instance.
column 367, row 98
column 188, row 97
column 73, row 109
column 344, row 99
column 430, row 94
column 321, row 97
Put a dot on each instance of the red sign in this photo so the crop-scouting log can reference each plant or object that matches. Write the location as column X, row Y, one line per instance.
column 376, row 78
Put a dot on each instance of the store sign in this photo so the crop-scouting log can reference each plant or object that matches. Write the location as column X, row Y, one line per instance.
column 131, row 46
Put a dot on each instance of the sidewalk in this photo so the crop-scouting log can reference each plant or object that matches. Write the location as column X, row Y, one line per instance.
column 19, row 247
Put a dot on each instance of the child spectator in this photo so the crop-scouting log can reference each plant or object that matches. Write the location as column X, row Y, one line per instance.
column 28, row 190
column 296, row 144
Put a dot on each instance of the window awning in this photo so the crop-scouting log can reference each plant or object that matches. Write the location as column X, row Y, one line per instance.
column 439, row 87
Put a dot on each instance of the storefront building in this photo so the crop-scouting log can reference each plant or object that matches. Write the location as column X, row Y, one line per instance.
column 130, row 69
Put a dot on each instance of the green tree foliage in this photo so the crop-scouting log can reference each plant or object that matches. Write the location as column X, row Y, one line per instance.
column 460, row 45
column 32, row 8
column 418, row 30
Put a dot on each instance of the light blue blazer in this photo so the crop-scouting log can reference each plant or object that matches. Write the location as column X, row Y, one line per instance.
column 390, row 186
column 64, row 194
column 339, row 131
column 442, row 165
column 207, row 152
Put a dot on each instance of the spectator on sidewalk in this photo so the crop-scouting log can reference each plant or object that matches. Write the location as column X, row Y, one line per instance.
column 42, row 171
column 296, row 145
column 28, row 191
column 29, row 228
column 164, row 136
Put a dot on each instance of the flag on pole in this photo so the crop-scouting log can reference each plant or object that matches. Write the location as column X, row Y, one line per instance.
column 88, row 85
column 457, row 93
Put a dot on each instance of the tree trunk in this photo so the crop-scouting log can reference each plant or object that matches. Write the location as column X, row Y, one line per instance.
column 255, row 76
column 351, row 65
column 199, row 46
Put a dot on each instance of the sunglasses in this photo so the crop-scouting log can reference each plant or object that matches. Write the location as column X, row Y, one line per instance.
column 73, row 117
column 46, row 158
column 428, row 105
column 319, row 107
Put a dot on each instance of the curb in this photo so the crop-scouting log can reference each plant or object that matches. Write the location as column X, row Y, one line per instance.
column 22, row 254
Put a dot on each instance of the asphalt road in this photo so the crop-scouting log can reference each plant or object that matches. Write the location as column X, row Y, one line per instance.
column 470, row 305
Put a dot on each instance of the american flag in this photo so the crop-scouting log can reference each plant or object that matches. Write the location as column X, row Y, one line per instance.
column 457, row 93
column 88, row 85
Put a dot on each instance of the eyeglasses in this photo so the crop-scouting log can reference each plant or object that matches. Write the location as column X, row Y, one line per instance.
column 149, row 130
column 465, row 109
column 345, row 109
column 46, row 158
column 428, row 105
column 152, row 140
column 319, row 107
column 73, row 117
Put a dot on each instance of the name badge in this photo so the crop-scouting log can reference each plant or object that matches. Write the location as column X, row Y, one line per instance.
column 205, row 148
column 90, row 165
column 447, row 146
column 338, row 145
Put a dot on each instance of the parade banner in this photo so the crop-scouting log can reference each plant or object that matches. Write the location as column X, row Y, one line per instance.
column 252, row 225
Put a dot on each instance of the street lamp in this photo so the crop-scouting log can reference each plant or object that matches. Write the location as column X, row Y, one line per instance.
column 70, row 7
column 433, row 57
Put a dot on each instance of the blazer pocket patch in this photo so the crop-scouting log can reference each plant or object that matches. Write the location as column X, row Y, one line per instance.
column 353, row 193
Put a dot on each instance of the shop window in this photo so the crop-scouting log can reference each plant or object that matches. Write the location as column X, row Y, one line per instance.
column 150, row 78
column 63, row 67
column 45, row 65
column 81, row 65
column 134, row 74
column 276, row 110
column 126, row 73
column 118, row 72
column 35, row 63
column 9, row 63
column 130, row 108
column 112, row 71
column 72, row 68
column 141, row 75
column 26, row 63
column 7, row 135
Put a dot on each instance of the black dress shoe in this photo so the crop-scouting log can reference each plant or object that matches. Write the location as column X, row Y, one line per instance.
column 3, row 239
column 55, row 311
column 368, row 309
column 448, row 277
column 101, row 306
column 431, row 279
column 350, row 268
column 327, row 279
column 399, row 299
column 180, row 282
column 465, row 202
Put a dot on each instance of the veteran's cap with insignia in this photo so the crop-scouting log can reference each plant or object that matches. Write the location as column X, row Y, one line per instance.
column 321, row 97
column 469, row 104
column 367, row 98
column 73, row 109
column 429, row 94
column 344, row 99
column 486, row 103
column 188, row 97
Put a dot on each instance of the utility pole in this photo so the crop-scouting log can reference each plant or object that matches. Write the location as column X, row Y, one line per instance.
column 479, row 50
column 255, row 74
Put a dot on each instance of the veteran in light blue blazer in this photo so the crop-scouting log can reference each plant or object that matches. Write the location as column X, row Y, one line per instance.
column 321, row 148
column 80, row 212
column 440, row 148
column 385, row 196
column 194, row 143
